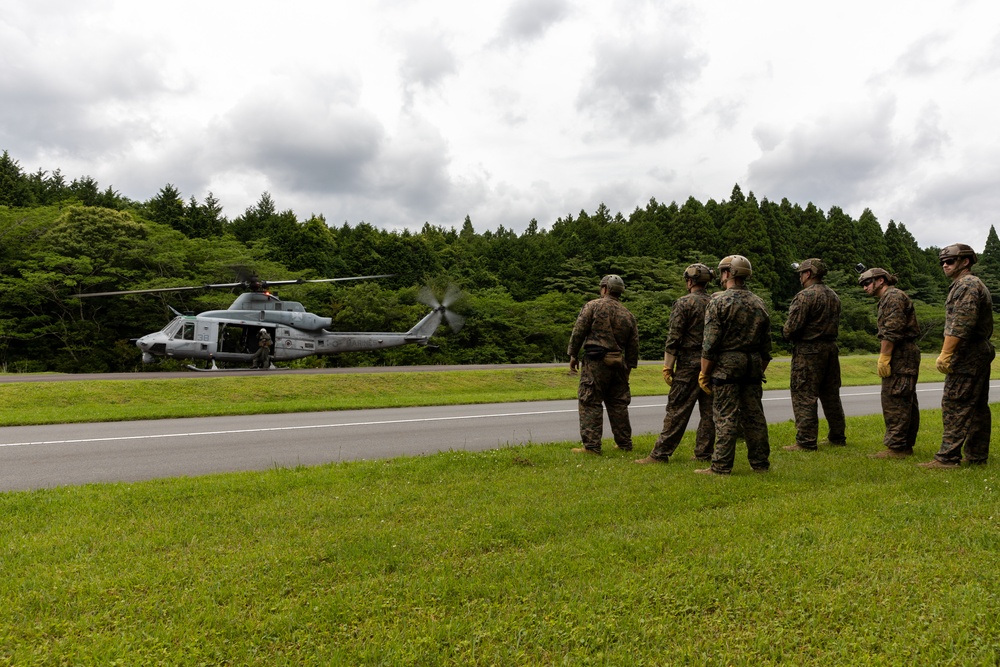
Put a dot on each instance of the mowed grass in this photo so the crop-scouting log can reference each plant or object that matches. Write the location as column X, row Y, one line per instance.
column 519, row 556
column 204, row 395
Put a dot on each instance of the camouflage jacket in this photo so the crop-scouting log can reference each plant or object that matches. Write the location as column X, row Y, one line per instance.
column 608, row 323
column 969, row 316
column 813, row 315
column 737, row 334
column 687, row 323
column 687, row 328
column 897, row 323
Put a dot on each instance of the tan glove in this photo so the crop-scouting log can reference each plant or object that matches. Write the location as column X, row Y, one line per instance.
column 947, row 352
column 884, row 369
column 704, row 383
column 668, row 375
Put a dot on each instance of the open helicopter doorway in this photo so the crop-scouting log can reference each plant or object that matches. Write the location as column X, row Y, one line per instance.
column 240, row 338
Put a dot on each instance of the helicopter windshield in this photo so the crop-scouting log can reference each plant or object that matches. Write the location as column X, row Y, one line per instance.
column 172, row 326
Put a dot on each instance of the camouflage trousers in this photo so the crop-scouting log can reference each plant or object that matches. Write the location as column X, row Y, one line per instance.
column 900, row 411
column 965, row 411
column 816, row 377
column 262, row 357
column 606, row 386
column 738, row 407
column 680, row 405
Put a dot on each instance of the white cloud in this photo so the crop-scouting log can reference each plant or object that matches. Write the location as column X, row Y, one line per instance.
column 397, row 113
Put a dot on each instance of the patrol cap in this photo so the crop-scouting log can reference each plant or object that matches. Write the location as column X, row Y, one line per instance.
column 817, row 266
column 614, row 283
column 699, row 273
column 958, row 251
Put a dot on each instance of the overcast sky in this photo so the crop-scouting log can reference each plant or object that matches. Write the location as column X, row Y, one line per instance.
column 400, row 112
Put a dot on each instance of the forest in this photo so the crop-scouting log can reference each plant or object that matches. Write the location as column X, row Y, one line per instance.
column 60, row 237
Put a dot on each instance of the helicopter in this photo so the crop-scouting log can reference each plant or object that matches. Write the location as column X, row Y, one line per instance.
column 231, row 335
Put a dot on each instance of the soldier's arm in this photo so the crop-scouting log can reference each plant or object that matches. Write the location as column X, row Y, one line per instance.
column 796, row 317
column 580, row 330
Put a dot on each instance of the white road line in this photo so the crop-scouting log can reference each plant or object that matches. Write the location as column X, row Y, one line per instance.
column 196, row 434
column 283, row 428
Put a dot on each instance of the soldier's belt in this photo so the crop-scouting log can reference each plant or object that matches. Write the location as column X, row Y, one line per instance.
column 717, row 382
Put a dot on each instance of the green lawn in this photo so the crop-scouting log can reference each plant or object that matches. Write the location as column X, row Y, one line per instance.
column 519, row 556
column 203, row 395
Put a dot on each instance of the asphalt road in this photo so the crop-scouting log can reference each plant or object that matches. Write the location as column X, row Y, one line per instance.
column 34, row 457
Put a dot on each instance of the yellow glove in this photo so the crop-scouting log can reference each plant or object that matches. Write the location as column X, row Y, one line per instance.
column 947, row 351
column 668, row 375
column 884, row 370
column 703, row 382
column 944, row 362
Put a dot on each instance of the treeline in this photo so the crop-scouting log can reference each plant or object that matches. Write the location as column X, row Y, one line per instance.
column 58, row 238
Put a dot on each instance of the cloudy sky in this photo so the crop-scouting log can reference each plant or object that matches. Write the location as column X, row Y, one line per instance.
column 400, row 112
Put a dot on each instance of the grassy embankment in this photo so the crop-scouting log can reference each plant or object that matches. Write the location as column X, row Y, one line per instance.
column 203, row 395
column 518, row 556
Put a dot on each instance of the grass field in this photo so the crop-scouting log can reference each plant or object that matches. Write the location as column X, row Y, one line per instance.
column 203, row 395
column 518, row 556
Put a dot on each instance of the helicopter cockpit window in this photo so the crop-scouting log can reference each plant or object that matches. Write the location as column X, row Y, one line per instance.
column 187, row 332
column 172, row 326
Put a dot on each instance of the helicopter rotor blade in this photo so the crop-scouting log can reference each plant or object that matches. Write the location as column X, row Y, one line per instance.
column 451, row 295
column 153, row 291
column 249, row 284
column 303, row 281
column 426, row 297
column 455, row 321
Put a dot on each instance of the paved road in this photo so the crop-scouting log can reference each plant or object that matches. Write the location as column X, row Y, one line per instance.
column 45, row 456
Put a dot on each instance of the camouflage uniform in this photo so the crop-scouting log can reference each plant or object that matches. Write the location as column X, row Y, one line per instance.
column 607, row 324
column 965, row 406
column 897, row 323
column 812, row 325
column 737, row 338
column 687, row 325
column 262, row 357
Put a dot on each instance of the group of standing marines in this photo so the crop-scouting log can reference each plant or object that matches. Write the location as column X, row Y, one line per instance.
column 718, row 348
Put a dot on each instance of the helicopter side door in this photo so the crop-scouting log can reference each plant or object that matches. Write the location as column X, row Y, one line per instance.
column 193, row 339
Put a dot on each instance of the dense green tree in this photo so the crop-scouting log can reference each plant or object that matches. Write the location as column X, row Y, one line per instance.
column 746, row 234
column 871, row 246
column 898, row 254
column 13, row 185
column 167, row 208
column 838, row 246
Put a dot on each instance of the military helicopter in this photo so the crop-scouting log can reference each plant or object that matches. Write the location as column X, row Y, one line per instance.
column 231, row 335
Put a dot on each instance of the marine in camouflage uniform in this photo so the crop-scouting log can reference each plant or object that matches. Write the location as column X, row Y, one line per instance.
column 604, row 346
column 965, row 358
column 812, row 325
column 736, row 350
column 262, row 357
column 898, row 362
column 683, row 351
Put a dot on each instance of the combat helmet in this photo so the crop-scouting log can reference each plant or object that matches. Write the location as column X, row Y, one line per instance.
column 699, row 273
column 737, row 265
column 817, row 266
column 958, row 251
column 871, row 274
column 614, row 283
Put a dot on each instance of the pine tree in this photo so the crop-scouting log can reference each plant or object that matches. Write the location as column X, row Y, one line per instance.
column 871, row 248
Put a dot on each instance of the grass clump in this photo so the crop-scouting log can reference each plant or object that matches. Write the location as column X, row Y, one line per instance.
column 517, row 556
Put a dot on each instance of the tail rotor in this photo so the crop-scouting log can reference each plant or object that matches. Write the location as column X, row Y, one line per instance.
column 452, row 295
